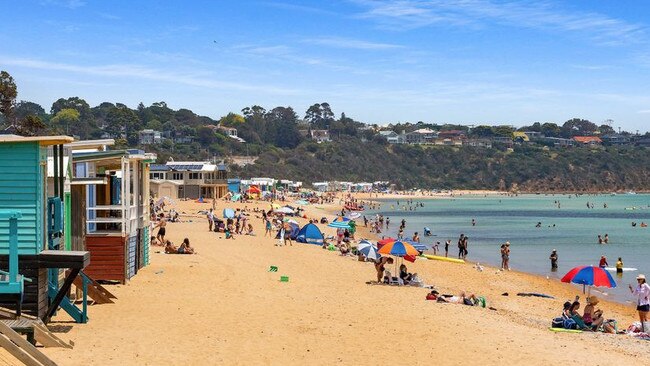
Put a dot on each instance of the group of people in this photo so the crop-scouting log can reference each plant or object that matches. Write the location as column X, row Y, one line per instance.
column 591, row 319
column 603, row 239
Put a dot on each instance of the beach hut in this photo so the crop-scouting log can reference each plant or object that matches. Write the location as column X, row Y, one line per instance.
column 310, row 234
column 40, row 229
column 110, row 194
column 234, row 185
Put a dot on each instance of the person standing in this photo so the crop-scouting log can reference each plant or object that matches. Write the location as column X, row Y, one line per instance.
column 507, row 256
column 619, row 266
column 603, row 262
column 210, row 217
column 268, row 226
column 553, row 259
column 447, row 244
column 643, row 301
column 606, row 239
column 503, row 257
column 461, row 251
column 162, row 231
column 416, row 237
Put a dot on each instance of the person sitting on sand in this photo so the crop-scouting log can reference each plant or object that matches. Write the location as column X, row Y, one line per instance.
column 404, row 274
column 229, row 232
column 380, row 266
column 572, row 313
column 185, row 248
column 249, row 230
column 593, row 318
column 170, row 248
column 344, row 248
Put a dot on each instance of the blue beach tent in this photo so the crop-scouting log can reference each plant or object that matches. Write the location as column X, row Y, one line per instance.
column 228, row 213
column 310, row 234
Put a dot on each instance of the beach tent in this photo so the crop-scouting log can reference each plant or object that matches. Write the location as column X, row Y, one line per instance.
column 293, row 231
column 310, row 234
column 254, row 190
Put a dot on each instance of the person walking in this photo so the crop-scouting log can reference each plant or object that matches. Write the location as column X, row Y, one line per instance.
column 210, row 217
column 461, row 250
column 642, row 291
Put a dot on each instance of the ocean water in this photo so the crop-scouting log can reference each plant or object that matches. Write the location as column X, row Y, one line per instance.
column 572, row 229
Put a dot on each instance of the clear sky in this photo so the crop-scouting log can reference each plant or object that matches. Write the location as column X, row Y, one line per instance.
column 466, row 61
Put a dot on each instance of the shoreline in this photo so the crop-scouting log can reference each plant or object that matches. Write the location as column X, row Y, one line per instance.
column 228, row 287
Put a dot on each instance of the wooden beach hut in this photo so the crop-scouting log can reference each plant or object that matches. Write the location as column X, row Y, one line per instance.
column 110, row 191
column 39, row 229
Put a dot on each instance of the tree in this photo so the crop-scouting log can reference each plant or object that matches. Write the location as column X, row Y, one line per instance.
column 30, row 125
column 66, row 120
column 8, row 94
column 231, row 120
column 551, row 129
column 606, row 130
column 25, row 108
column 123, row 121
column 205, row 136
column 482, row 131
column 504, row 131
column 282, row 128
column 578, row 127
column 314, row 114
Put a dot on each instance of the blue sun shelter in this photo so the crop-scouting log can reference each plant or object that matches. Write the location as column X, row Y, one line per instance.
column 310, row 234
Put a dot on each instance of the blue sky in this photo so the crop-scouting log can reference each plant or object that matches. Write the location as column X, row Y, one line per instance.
column 466, row 61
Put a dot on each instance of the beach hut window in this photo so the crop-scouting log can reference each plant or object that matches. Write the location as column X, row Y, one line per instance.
column 177, row 176
column 195, row 175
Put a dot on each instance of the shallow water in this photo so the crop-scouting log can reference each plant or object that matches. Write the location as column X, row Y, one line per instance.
column 572, row 229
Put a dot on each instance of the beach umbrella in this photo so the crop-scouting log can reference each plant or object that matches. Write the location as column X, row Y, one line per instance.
column 284, row 210
column 384, row 241
column 353, row 216
column 339, row 225
column 589, row 276
column 419, row 246
column 368, row 250
column 341, row 219
column 228, row 213
column 398, row 248
column 291, row 221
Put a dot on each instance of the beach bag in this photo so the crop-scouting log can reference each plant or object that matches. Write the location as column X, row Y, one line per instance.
column 557, row 323
column 570, row 324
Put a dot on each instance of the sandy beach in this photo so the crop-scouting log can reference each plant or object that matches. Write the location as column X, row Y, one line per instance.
column 222, row 306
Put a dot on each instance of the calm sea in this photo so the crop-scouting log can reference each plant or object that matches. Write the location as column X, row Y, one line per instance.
column 572, row 229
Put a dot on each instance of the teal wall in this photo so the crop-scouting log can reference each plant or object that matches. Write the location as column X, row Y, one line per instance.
column 21, row 188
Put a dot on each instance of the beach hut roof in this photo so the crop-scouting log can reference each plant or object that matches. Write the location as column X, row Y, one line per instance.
column 42, row 140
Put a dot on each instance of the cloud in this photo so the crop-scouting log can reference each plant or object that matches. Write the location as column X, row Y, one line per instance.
column 339, row 42
column 541, row 15
column 301, row 8
column 143, row 73
column 644, row 111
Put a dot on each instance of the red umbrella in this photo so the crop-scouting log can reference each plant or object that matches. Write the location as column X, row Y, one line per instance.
column 385, row 241
column 589, row 275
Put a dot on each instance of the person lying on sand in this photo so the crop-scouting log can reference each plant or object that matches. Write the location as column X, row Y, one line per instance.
column 170, row 248
column 462, row 298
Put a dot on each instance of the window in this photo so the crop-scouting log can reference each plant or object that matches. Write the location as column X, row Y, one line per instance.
column 157, row 175
column 177, row 176
column 195, row 175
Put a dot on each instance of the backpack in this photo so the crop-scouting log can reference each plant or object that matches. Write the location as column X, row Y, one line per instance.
column 557, row 323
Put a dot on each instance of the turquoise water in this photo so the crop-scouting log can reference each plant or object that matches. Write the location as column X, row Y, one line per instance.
column 513, row 219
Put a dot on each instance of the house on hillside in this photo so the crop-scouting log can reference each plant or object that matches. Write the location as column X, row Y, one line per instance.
column 189, row 180
column 558, row 141
column 520, row 137
column 230, row 132
column 616, row 139
column 534, row 135
column 393, row 137
column 452, row 134
column 421, row 136
column 320, row 136
column 149, row 137
column 588, row 140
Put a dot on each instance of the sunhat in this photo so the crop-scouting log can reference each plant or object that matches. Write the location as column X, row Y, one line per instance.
column 640, row 277
column 593, row 300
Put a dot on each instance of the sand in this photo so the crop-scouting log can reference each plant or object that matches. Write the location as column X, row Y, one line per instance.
column 223, row 307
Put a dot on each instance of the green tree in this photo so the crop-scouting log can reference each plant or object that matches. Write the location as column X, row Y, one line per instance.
column 205, row 136
column 30, row 125
column 232, row 120
column 66, row 120
column 8, row 94
column 123, row 121
column 25, row 108
column 606, row 130
column 578, row 127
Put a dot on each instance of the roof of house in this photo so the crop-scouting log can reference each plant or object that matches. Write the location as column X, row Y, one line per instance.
column 387, row 133
column 424, row 130
column 587, row 139
column 521, row 135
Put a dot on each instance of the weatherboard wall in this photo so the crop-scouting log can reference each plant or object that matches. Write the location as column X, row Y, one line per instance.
column 22, row 183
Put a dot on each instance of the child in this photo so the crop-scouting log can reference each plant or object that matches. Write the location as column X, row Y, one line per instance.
column 436, row 246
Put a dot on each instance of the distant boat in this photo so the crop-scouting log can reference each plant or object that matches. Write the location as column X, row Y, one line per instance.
column 631, row 192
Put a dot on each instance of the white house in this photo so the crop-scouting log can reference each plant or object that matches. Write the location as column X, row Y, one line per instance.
column 393, row 137
column 148, row 137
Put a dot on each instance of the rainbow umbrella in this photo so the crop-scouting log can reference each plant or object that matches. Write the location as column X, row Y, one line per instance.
column 398, row 248
column 589, row 276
